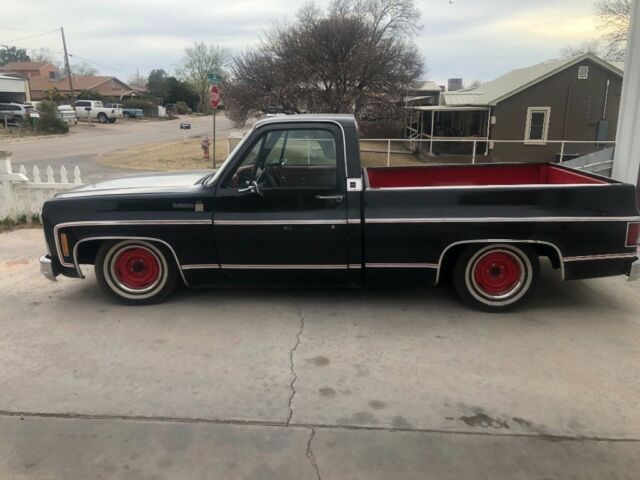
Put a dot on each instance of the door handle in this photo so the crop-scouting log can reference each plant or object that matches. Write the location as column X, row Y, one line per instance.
column 337, row 198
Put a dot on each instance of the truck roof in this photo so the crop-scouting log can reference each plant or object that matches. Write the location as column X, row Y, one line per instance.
column 345, row 120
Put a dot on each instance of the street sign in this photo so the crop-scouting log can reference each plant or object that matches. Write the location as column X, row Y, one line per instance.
column 185, row 126
column 215, row 96
column 214, row 79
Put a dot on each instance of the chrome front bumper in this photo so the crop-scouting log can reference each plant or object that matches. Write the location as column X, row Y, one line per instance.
column 634, row 273
column 46, row 268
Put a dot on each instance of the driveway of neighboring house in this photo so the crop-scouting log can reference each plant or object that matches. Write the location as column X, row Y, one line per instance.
column 314, row 384
column 86, row 143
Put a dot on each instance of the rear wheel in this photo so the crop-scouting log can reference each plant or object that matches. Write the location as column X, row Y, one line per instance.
column 126, row 115
column 102, row 117
column 135, row 272
column 496, row 277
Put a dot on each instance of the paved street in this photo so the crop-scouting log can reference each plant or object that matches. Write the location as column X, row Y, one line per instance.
column 299, row 383
column 86, row 143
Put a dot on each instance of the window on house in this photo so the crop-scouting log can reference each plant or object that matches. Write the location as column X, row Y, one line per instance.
column 537, row 127
column 583, row 72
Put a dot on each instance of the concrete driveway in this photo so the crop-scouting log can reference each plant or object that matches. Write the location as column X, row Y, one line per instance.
column 330, row 384
column 86, row 143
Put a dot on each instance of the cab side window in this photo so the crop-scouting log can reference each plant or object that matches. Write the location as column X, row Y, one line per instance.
column 289, row 159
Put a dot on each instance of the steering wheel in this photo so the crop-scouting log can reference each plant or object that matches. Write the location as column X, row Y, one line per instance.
column 267, row 175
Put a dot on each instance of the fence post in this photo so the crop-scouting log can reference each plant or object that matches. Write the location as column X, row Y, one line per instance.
column 63, row 175
column 562, row 152
column 7, row 187
column 473, row 156
column 388, row 152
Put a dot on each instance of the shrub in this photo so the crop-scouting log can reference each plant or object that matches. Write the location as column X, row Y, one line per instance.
column 182, row 108
column 140, row 103
column 49, row 121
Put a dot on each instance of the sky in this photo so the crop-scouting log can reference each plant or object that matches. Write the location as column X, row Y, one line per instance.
column 472, row 39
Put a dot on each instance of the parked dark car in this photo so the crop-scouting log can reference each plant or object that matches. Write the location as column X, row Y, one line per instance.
column 292, row 205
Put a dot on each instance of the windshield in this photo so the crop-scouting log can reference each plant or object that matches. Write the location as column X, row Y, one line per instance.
column 215, row 174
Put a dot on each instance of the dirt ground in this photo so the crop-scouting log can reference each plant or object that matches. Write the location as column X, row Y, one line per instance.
column 187, row 155
column 168, row 156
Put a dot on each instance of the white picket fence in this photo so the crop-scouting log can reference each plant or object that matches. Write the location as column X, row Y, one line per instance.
column 21, row 195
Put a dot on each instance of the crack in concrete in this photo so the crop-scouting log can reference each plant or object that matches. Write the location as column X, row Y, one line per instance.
column 292, row 366
column 319, row 426
column 311, row 456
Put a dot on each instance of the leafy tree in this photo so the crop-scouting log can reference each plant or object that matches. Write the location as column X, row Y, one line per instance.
column 90, row 95
column 50, row 121
column 356, row 57
column 156, row 83
column 612, row 18
column 54, row 94
column 178, row 91
column 170, row 89
column 13, row 54
column 199, row 61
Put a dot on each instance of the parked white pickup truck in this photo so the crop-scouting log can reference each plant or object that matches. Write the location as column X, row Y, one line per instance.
column 94, row 109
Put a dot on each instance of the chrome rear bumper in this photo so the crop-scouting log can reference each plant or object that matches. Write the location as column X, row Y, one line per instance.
column 634, row 273
column 46, row 268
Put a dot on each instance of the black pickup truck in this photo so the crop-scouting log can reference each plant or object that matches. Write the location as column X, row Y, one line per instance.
column 292, row 206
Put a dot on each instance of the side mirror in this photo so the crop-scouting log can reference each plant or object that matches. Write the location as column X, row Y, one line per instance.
column 251, row 188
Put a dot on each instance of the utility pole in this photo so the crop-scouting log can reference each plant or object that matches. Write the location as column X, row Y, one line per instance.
column 66, row 65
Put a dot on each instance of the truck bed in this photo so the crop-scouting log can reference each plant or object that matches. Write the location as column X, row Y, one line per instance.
column 477, row 175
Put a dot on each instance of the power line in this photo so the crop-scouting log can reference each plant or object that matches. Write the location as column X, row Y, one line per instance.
column 30, row 36
column 22, row 29
column 98, row 63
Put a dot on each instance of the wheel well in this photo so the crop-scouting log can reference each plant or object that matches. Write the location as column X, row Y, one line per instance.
column 452, row 254
column 88, row 250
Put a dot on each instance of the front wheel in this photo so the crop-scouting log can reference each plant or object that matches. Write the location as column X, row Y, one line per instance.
column 102, row 117
column 135, row 272
column 496, row 277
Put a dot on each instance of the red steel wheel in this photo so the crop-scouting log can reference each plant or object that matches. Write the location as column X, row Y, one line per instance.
column 498, row 273
column 496, row 277
column 137, row 268
column 136, row 272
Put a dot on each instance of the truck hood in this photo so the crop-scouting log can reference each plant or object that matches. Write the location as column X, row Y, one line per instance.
column 145, row 183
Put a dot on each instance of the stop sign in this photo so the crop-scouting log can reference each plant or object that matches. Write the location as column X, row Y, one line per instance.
column 215, row 96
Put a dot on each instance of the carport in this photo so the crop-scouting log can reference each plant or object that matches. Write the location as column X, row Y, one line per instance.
column 14, row 89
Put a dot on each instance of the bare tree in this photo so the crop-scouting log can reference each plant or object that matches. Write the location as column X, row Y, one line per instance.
column 83, row 69
column 356, row 56
column 593, row 46
column 43, row 54
column 612, row 18
column 473, row 84
column 199, row 61
column 137, row 81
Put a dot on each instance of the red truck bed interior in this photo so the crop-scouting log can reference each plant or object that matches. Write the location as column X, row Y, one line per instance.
column 448, row 176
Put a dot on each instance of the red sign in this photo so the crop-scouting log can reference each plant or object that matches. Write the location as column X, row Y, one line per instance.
column 215, row 96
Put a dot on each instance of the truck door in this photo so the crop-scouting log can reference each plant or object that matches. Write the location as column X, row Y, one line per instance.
column 280, row 210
